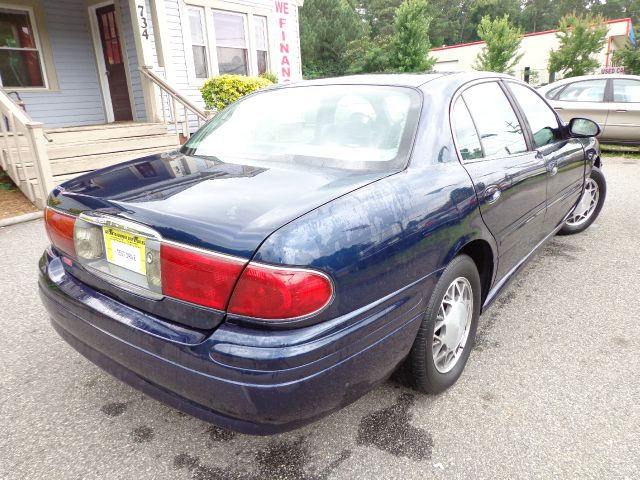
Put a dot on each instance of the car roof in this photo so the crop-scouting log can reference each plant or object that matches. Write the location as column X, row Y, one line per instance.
column 398, row 79
column 564, row 81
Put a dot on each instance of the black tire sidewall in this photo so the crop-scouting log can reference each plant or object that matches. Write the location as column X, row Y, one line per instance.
column 427, row 378
column 598, row 177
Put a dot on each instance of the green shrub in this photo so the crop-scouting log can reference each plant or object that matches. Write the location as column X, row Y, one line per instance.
column 218, row 92
column 269, row 76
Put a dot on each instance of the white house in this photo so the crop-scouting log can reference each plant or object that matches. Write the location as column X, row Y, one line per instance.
column 103, row 81
column 535, row 47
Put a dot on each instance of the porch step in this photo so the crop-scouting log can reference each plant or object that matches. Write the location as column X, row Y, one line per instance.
column 66, row 168
column 90, row 133
column 77, row 150
column 112, row 146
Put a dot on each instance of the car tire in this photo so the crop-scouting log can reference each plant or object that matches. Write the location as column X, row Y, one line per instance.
column 596, row 189
column 447, row 313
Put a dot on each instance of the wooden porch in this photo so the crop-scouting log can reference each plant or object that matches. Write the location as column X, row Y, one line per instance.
column 38, row 159
column 73, row 151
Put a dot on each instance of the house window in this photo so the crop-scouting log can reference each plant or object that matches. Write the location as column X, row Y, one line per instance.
column 198, row 42
column 20, row 57
column 231, row 43
column 262, row 51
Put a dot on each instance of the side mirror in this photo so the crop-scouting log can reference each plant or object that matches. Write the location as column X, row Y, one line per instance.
column 583, row 128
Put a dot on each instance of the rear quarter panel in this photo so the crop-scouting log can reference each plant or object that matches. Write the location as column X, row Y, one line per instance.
column 389, row 239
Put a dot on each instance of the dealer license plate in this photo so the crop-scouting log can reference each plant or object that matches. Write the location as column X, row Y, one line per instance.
column 125, row 249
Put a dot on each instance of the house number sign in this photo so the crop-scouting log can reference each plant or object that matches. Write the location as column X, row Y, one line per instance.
column 143, row 18
column 143, row 22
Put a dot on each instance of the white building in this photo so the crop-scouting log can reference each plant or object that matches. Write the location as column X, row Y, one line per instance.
column 536, row 48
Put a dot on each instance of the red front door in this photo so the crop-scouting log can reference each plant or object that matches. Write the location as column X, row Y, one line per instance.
column 114, row 62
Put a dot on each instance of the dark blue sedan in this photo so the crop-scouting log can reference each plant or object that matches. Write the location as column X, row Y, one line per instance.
column 312, row 237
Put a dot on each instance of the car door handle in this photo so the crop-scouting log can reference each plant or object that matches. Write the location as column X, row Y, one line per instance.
column 621, row 111
column 492, row 193
column 558, row 108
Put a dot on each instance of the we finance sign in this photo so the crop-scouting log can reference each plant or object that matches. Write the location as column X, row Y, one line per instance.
column 287, row 41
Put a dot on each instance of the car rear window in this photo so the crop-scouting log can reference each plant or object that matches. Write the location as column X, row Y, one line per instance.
column 341, row 126
column 626, row 91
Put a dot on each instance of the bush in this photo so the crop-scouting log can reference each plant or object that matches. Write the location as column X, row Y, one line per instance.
column 218, row 92
column 269, row 76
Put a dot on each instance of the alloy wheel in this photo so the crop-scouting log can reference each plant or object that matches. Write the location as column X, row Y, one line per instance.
column 587, row 204
column 452, row 325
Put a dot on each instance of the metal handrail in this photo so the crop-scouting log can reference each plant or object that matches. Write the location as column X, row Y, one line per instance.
column 23, row 151
column 175, row 99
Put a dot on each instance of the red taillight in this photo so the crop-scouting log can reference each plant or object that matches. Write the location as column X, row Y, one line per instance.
column 60, row 230
column 198, row 277
column 279, row 293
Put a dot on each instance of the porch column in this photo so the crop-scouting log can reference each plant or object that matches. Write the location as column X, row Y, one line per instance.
column 162, row 40
column 141, row 20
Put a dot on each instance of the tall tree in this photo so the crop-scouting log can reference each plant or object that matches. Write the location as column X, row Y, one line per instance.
column 326, row 28
column 379, row 16
column 482, row 8
column 580, row 37
column 612, row 9
column 409, row 48
column 629, row 56
column 502, row 42
column 368, row 55
column 446, row 22
column 539, row 15
column 370, row 52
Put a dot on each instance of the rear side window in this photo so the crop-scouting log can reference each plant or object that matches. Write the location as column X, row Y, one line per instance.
column 586, row 91
column 553, row 92
column 500, row 131
column 466, row 134
column 541, row 118
column 626, row 91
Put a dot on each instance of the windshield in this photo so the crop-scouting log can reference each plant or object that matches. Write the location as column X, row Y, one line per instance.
column 341, row 126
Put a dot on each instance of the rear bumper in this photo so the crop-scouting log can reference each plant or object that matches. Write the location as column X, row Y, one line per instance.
column 252, row 381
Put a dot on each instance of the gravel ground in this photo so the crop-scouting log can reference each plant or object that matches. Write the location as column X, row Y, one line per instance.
column 12, row 201
column 552, row 389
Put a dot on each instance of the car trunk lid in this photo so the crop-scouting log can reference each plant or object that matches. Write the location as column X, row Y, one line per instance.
column 221, row 207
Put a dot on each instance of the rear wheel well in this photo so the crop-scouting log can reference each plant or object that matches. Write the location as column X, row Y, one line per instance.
column 481, row 254
column 597, row 162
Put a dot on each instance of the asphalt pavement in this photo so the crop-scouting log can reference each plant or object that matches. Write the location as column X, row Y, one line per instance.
column 552, row 389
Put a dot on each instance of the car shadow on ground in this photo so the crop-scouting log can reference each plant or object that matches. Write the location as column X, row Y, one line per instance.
column 380, row 420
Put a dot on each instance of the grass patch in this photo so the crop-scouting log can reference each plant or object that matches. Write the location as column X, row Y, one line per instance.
column 610, row 154
column 5, row 182
column 625, row 151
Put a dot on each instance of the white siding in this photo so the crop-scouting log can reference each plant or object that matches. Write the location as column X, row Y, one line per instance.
column 295, row 44
column 180, row 78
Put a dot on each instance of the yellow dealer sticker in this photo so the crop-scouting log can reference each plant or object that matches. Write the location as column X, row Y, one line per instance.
column 125, row 250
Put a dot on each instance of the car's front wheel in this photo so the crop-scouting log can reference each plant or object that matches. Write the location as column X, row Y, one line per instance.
column 448, row 329
column 589, row 206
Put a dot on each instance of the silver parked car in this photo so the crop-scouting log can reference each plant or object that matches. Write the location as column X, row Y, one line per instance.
column 613, row 101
